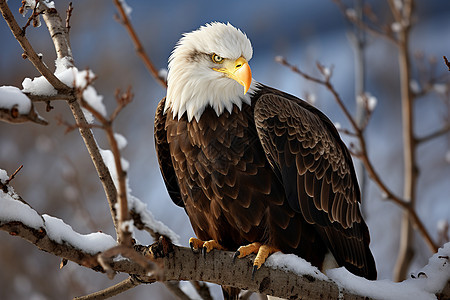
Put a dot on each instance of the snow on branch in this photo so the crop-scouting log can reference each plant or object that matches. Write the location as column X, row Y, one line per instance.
column 47, row 232
column 16, row 107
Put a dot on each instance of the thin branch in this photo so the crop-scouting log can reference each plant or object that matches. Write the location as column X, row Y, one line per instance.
column 60, row 40
column 447, row 63
column 29, row 51
column 114, row 290
column 13, row 175
column 434, row 135
column 48, row 98
column 123, row 213
column 68, row 15
column 138, row 45
column 33, row 17
column 372, row 28
column 325, row 83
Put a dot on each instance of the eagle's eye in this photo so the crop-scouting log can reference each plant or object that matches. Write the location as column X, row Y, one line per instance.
column 216, row 58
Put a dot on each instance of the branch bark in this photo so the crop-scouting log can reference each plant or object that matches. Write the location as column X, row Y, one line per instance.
column 182, row 264
column 406, row 249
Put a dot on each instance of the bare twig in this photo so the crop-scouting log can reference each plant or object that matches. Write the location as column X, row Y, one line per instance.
column 13, row 175
column 114, row 290
column 48, row 98
column 123, row 214
column 68, row 15
column 33, row 17
column 60, row 40
column 138, row 45
column 434, row 135
column 447, row 63
column 375, row 29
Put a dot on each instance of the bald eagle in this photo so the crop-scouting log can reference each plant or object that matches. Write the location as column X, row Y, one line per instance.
column 257, row 170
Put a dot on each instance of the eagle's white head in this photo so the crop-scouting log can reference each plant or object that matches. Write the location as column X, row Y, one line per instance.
column 209, row 66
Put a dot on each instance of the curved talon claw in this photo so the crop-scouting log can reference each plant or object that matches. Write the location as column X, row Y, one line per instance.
column 254, row 271
column 236, row 255
column 204, row 250
column 261, row 251
column 203, row 247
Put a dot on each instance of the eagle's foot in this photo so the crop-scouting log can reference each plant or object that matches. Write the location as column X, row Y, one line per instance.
column 262, row 253
column 205, row 246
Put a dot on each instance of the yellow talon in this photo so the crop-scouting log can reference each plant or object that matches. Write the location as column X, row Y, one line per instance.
column 262, row 253
column 197, row 244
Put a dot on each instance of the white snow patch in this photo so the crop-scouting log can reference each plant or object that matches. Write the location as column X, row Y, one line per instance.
column 326, row 71
column 398, row 5
column 38, row 86
column 121, row 140
column 440, row 88
column 414, row 86
column 61, row 232
column 351, row 13
column 442, row 225
column 162, row 73
column 11, row 209
column 62, row 64
column 31, row 4
column 3, row 176
column 72, row 78
column 149, row 220
column 447, row 156
column 134, row 203
column 15, row 210
column 396, row 27
column 367, row 100
column 293, row 263
column 126, row 8
column 437, row 273
column 10, row 97
column 127, row 226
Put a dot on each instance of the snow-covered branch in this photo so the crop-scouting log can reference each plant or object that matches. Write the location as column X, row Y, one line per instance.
column 282, row 275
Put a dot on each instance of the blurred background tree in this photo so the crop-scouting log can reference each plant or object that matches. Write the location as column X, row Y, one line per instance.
column 59, row 179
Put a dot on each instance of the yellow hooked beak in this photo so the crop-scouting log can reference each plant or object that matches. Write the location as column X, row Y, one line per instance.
column 238, row 70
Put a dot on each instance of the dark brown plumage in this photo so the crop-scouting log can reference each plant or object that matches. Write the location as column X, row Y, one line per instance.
column 274, row 172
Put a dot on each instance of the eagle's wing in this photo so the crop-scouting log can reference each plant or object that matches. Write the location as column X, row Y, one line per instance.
column 318, row 176
column 164, row 157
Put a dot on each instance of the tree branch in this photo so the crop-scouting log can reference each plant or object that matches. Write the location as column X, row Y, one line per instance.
column 114, row 290
column 434, row 135
column 29, row 51
column 447, row 63
column 181, row 263
column 138, row 45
